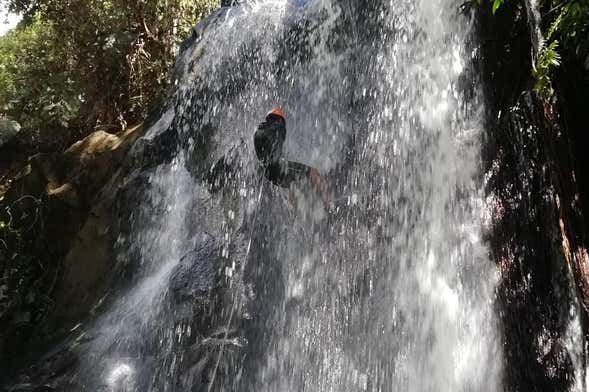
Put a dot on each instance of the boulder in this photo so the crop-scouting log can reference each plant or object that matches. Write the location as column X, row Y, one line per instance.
column 195, row 274
column 8, row 130
column 62, row 204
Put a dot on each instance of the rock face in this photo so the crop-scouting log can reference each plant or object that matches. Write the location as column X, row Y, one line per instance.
column 195, row 274
column 535, row 180
column 59, row 225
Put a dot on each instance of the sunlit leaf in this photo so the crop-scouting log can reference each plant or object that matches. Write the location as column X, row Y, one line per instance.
column 496, row 5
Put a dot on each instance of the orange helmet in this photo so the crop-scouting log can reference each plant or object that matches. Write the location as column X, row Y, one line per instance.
column 276, row 112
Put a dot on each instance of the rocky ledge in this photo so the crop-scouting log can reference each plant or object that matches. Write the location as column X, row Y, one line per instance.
column 56, row 236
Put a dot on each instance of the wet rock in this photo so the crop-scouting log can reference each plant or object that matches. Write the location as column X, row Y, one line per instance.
column 195, row 274
column 48, row 373
column 62, row 205
column 225, row 169
column 44, row 388
column 22, row 318
column 85, row 267
column 535, row 211
column 9, row 129
column 156, row 147
column 30, row 388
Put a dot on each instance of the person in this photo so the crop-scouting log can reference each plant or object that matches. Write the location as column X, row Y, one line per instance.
column 269, row 140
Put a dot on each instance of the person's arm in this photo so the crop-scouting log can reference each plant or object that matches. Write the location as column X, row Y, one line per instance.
column 319, row 186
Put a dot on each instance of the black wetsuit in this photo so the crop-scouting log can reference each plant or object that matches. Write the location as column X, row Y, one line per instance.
column 268, row 141
column 283, row 173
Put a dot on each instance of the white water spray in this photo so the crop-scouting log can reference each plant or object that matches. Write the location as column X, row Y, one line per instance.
column 392, row 292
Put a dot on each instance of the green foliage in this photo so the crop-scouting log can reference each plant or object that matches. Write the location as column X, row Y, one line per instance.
column 22, row 294
column 568, row 29
column 36, row 88
column 87, row 63
column 548, row 58
column 571, row 25
column 496, row 5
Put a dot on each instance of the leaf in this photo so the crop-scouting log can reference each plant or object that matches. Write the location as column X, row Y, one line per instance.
column 496, row 5
column 548, row 59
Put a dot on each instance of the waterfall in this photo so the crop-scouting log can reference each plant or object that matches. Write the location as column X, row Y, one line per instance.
column 227, row 286
column 536, row 36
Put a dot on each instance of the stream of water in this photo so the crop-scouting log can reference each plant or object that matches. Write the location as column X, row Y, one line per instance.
column 394, row 291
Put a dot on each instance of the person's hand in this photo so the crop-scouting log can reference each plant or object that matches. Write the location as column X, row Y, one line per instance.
column 319, row 186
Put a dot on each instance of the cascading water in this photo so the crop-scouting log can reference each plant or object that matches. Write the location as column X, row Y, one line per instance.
column 239, row 290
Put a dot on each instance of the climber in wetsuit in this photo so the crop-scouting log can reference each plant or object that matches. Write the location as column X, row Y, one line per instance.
column 268, row 141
